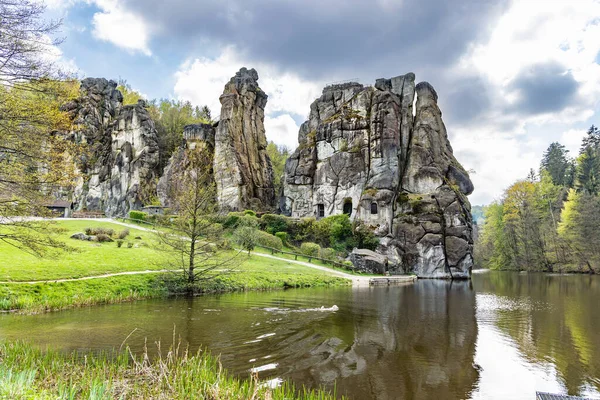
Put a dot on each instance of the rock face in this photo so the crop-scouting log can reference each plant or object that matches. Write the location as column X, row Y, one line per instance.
column 366, row 152
column 119, row 171
column 243, row 170
column 195, row 136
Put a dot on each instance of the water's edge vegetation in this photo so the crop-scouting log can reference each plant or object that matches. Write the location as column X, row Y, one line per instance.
column 26, row 372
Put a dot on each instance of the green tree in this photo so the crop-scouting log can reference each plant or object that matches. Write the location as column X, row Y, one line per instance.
column 556, row 162
column 130, row 96
column 35, row 160
column 170, row 117
column 278, row 156
column 580, row 227
column 193, row 240
column 246, row 237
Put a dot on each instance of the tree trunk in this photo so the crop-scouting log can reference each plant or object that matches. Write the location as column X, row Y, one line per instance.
column 191, row 266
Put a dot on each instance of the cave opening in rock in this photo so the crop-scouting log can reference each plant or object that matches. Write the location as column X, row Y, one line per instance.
column 348, row 206
column 374, row 208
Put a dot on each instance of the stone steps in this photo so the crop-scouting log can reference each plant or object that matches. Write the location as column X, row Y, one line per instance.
column 392, row 280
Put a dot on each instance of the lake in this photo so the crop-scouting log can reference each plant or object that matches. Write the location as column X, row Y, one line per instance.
column 503, row 335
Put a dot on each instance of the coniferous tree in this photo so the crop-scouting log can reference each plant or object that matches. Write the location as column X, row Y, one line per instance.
column 556, row 162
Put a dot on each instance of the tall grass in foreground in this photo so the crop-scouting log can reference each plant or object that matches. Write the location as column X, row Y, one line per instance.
column 28, row 373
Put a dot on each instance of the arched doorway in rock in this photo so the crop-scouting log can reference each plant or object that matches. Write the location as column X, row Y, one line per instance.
column 348, row 206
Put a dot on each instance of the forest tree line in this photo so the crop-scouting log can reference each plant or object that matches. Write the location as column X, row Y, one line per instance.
column 549, row 221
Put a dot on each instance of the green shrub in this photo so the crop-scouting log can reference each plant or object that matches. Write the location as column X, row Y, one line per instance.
column 248, row 220
column 231, row 220
column 303, row 230
column 123, row 234
column 102, row 238
column 129, row 245
column 119, row 243
column 274, row 223
column 335, row 231
column 237, row 219
column 250, row 213
column 138, row 215
column 310, row 249
column 328, row 254
column 99, row 231
column 283, row 236
column 267, row 240
column 365, row 238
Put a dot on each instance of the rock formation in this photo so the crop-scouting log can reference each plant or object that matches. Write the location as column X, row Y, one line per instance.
column 196, row 136
column 119, row 170
column 366, row 152
column 243, row 170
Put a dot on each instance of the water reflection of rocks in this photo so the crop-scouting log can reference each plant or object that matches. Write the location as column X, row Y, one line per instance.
column 401, row 343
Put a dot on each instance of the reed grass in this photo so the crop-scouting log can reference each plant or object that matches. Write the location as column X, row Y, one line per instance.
column 30, row 373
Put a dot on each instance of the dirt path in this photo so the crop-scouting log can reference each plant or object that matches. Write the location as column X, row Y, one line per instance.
column 85, row 278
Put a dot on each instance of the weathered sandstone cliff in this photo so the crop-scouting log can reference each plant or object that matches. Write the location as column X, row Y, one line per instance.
column 243, row 170
column 381, row 154
column 119, row 171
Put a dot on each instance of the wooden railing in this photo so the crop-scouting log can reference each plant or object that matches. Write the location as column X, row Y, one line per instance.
column 309, row 257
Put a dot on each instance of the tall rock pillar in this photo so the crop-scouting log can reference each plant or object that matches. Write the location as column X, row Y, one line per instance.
column 242, row 168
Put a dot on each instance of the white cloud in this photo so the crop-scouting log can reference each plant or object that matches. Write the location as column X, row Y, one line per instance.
column 504, row 145
column 59, row 4
column 202, row 80
column 53, row 54
column 571, row 139
column 282, row 130
column 120, row 27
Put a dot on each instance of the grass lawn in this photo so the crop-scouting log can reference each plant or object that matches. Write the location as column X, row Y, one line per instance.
column 91, row 258
column 87, row 259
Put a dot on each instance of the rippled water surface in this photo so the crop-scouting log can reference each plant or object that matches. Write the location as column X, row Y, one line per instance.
column 501, row 336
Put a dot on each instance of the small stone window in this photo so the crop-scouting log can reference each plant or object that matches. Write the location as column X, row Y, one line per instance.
column 348, row 207
column 320, row 210
column 373, row 208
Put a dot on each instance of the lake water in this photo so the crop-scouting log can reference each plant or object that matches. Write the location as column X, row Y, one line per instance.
column 502, row 336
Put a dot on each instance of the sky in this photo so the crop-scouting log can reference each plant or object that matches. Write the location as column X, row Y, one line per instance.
column 512, row 76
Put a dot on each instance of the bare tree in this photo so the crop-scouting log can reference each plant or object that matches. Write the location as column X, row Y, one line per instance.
column 192, row 239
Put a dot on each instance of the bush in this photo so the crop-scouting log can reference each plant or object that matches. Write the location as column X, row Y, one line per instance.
column 335, row 231
column 129, row 245
column 102, row 237
column 245, row 237
column 267, row 240
column 250, row 213
column 99, row 231
column 328, row 254
column 248, row 220
column 283, row 236
column 274, row 223
column 310, row 249
column 119, row 243
column 123, row 234
column 365, row 238
column 237, row 219
column 138, row 215
column 303, row 230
